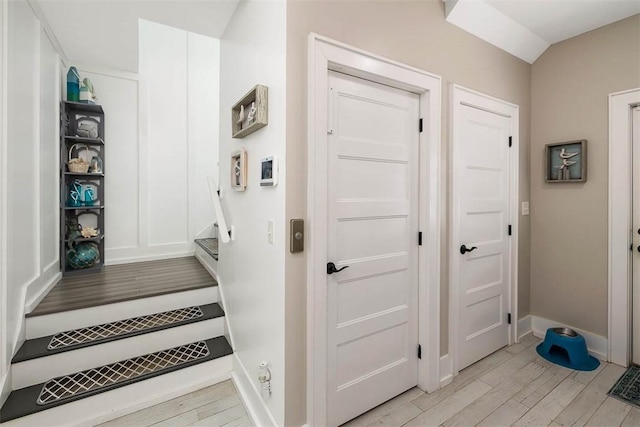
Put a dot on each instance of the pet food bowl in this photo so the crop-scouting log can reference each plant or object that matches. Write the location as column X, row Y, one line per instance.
column 565, row 347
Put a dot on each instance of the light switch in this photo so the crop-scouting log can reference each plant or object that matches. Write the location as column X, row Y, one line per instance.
column 525, row 208
column 270, row 231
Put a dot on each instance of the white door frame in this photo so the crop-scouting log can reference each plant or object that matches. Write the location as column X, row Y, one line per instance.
column 461, row 96
column 4, row 345
column 620, row 238
column 323, row 55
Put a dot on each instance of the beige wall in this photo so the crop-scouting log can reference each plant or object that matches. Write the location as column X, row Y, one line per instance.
column 570, row 84
column 417, row 34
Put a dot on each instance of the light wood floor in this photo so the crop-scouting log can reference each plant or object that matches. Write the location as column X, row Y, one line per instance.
column 124, row 282
column 215, row 406
column 512, row 387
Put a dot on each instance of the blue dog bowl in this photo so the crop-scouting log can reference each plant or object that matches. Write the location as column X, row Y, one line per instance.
column 565, row 347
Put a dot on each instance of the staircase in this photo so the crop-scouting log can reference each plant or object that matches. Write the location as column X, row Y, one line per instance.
column 88, row 365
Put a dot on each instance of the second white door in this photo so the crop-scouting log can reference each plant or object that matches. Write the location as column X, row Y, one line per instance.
column 372, row 304
column 481, row 231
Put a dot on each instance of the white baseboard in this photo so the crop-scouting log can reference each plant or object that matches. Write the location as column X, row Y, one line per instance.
column 446, row 370
column 250, row 395
column 34, row 296
column 5, row 387
column 211, row 265
column 524, row 327
column 131, row 255
column 596, row 345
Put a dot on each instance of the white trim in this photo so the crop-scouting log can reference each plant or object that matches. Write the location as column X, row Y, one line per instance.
column 620, row 175
column 325, row 54
column 108, row 72
column 256, row 408
column 4, row 349
column 446, row 370
column 138, row 254
column 54, row 277
column 464, row 96
column 596, row 345
column 524, row 327
column 44, row 24
column 208, row 263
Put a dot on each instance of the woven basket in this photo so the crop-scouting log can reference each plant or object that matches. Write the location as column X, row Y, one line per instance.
column 78, row 165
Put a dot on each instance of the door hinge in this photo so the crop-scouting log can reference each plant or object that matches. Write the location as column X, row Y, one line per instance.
column 509, row 230
column 420, row 125
column 510, row 141
column 419, row 351
column 509, row 318
column 420, row 238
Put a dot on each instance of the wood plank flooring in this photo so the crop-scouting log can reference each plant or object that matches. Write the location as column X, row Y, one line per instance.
column 512, row 387
column 125, row 282
column 215, row 406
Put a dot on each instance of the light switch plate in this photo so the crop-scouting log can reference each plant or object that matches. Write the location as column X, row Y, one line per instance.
column 270, row 231
column 525, row 208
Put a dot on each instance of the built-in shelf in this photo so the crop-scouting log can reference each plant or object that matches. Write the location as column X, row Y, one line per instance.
column 74, row 115
column 83, row 107
column 84, row 140
column 86, row 239
column 87, row 174
column 83, row 208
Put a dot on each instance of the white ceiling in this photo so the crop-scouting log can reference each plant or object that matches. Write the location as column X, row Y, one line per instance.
column 526, row 28
column 105, row 32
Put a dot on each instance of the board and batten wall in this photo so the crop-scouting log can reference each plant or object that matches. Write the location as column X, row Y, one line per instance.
column 570, row 84
column 161, row 138
column 251, row 270
column 30, row 177
column 417, row 34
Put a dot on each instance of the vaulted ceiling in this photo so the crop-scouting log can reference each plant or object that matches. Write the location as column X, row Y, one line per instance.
column 526, row 28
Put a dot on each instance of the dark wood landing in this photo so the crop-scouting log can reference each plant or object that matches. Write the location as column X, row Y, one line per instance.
column 125, row 282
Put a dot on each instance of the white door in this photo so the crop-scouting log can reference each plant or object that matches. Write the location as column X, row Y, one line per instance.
column 635, row 312
column 372, row 304
column 481, row 225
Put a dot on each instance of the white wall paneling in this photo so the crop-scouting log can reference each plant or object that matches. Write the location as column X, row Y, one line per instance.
column 23, row 183
column 29, row 226
column 161, row 143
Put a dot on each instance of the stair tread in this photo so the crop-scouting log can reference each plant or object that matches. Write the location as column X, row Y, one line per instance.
column 38, row 347
column 23, row 402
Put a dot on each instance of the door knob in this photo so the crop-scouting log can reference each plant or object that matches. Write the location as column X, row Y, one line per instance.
column 331, row 268
column 464, row 249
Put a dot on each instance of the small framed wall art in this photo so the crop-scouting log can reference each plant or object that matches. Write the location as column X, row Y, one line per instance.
column 251, row 112
column 566, row 161
column 239, row 170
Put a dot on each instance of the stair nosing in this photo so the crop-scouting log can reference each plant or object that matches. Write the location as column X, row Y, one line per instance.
column 210, row 311
column 222, row 346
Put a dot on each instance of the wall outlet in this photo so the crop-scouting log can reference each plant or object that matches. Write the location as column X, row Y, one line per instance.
column 525, row 208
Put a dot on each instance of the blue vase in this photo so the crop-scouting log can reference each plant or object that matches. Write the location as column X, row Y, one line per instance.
column 84, row 255
column 73, row 85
